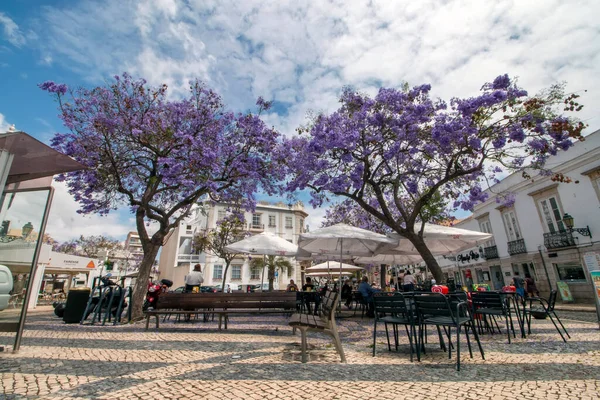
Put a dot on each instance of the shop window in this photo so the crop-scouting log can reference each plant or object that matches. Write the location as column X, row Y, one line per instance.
column 570, row 272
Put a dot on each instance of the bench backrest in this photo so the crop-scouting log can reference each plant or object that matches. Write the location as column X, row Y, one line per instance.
column 329, row 303
column 226, row 300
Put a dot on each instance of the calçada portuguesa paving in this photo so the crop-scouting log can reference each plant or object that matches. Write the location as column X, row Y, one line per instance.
column 258, row 357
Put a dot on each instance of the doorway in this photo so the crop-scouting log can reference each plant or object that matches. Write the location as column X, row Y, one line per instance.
column 497, row 279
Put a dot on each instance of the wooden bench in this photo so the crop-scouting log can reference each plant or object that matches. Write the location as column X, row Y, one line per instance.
column 223, row 304
column 325, row 322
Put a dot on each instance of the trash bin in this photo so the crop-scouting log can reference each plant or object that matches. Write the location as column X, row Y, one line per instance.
column 75, row 307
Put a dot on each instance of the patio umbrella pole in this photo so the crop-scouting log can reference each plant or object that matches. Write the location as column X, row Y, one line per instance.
column 262, row 279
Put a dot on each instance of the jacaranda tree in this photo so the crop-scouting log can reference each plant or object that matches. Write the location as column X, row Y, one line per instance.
column 405, row 158
column 160, row 155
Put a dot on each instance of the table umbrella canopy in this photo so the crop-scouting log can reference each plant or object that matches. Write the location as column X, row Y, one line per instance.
column 333, row 266
column 343, row 239
column 327, row 274
column 441, row 240
column 264, row 243
column 390, row 259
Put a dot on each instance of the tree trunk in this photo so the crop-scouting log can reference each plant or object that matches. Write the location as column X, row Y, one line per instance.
column 429, row 259
column 271, row 276
column 141, row 284
column 225, row 277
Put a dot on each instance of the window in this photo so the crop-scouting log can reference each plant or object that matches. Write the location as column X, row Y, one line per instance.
column 221, row 215
column 485, row 226
column 188, row 227
column 511, row 226
column 236, row 272
column 256, row 221
column 288, row 222
column 271, row 221
column 570, row 272
column 254, row 273
column 551, row 215
column 218, row 272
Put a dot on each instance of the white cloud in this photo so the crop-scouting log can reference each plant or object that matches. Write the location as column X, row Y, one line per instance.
column 3, row 124
column 11, row 31
column 64, row 223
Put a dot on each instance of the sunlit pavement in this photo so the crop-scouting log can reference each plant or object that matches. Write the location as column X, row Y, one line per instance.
column 258, row 357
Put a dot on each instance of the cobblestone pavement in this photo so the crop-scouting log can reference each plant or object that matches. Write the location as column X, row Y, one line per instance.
column 258, row 357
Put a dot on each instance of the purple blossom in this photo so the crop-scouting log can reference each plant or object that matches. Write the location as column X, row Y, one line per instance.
column 501, row 82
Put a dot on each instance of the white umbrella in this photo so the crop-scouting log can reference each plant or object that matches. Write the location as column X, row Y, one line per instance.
column 343, row 240
column 327, row 266
column 390, row 259
column 325, row 274
column 264, row 243
column 441, row 240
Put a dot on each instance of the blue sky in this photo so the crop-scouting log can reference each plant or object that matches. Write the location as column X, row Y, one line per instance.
column 298, row 53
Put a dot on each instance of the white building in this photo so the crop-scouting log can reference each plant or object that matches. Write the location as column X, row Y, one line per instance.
column 177, row 257
column 534, row 230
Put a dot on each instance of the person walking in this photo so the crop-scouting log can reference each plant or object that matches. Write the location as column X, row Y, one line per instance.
column 194, row 278
column 531, row 287
column 519, row 284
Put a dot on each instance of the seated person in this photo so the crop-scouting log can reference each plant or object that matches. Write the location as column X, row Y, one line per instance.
column 347, row 292
column 292, row 287
column 367, row 291
column 308, row 286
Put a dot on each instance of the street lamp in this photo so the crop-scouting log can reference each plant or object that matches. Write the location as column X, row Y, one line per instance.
column 570, row 222
column 27, row 229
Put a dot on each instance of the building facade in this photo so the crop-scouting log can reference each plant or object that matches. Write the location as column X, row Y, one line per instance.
column 530, row 220
column 177, row 256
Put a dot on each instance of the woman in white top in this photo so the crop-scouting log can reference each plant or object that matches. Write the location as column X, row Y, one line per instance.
column 408, row 282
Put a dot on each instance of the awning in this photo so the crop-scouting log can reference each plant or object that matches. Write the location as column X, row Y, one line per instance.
column 33, row 159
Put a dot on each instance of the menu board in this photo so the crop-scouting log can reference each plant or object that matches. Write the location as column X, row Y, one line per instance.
column 592, row 262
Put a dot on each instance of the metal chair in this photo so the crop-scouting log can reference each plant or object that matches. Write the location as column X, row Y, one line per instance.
column 435, row 309
column 391, row 308
column 544, row 308
column 492, row 304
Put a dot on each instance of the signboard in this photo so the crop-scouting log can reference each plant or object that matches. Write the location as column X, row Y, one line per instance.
column 91, row 265
column 565, row 292
column 592, row 262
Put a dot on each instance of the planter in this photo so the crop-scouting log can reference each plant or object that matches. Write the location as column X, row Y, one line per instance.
column 539, row 314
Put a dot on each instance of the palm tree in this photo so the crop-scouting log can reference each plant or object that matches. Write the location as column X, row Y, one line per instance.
column 274, row 264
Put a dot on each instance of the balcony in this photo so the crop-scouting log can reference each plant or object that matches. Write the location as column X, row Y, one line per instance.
column 256, row 227
column 490, row 252
column 558, row 240
column 517, row 247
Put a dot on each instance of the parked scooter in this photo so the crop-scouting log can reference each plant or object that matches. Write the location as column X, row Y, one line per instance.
column 154, row 290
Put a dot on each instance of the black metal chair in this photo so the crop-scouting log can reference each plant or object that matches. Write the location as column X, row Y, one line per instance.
column 544, row 308
column 436, row 309
column 391, row 308
column 488, row 306
column 359, row 302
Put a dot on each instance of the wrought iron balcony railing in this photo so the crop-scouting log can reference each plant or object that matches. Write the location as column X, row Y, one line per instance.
column 517, row 247
column 490, row 252
column 558, row 240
